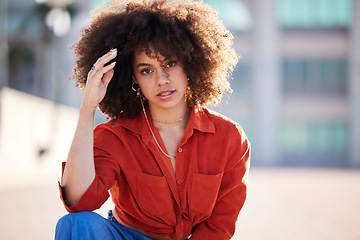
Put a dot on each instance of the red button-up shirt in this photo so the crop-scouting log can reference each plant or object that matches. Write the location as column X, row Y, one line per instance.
column 203, row 198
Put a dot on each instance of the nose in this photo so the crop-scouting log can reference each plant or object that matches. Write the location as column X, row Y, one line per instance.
column 162, row 77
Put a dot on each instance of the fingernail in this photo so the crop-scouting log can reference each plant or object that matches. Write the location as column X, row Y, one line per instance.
column 113, row 50
column 113, row 63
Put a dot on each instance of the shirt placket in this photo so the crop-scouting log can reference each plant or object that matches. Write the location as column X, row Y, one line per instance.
column 165, row 165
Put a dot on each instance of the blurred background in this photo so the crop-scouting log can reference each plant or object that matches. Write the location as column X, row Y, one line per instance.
column 296, row 93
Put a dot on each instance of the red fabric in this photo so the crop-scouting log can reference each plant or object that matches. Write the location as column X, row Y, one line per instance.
column 203, row 198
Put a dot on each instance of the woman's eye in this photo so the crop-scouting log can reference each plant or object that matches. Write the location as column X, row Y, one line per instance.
column 171, row 64
column 146, row 71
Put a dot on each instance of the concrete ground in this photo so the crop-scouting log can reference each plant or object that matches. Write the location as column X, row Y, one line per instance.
column 282, row 204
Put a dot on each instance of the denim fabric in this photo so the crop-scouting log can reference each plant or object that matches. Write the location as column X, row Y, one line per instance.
column 90, row 225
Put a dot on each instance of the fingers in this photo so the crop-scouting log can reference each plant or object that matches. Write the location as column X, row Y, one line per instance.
column 100, row 73
column 108, row 76
column 106, row 58
column 98, row 79
column 98, row 67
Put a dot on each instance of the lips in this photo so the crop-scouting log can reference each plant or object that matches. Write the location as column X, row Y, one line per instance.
column 165, row 93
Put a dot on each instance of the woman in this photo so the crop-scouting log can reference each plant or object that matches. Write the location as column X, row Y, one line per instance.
column 175, row 169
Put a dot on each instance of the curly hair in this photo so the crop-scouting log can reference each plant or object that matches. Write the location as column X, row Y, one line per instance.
column 189, row 30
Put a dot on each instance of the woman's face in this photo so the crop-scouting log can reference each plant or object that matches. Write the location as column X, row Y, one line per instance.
column 162, row 81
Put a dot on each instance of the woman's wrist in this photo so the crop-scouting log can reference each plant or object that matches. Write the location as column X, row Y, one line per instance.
column 87, row 110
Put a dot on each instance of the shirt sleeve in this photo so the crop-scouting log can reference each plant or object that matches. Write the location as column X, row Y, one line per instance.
column 232, row 194
column 106, row 170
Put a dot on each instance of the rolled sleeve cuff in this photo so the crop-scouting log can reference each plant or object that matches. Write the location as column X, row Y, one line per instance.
column 91, row 200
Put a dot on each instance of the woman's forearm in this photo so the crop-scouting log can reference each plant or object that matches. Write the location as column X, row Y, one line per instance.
column 79, row 170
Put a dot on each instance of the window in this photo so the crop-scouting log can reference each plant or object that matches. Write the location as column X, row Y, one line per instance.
column 233, row 13
column 316, row 143
column 310, row 13
column 94, row 3
column 239, row 80
column 322, row 76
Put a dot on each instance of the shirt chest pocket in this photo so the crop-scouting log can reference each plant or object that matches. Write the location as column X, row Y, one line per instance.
column 204, row 192
column 153, row 195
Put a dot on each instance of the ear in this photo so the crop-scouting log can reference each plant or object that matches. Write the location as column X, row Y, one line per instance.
column 134, row 80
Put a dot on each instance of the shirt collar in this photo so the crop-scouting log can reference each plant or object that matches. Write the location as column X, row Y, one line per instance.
column 199, row 120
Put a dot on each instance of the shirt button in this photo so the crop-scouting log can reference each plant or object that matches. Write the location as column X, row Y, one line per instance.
column 180, row 150
column 179, row 182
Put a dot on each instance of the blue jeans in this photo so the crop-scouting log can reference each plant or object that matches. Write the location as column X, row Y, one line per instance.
column 90, row 225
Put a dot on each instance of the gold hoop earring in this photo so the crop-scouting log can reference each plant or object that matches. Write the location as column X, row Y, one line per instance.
column 135, row 90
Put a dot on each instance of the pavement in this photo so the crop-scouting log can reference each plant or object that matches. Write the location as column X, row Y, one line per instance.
column 282, row 204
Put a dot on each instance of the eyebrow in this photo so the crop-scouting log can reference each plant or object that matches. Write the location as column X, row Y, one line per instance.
column 143, row 64
column 147, row 64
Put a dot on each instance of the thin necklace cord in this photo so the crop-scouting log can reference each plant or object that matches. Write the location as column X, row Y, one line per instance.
column 157, row 143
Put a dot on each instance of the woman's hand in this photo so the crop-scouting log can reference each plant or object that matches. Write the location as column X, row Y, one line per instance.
column 98, row 79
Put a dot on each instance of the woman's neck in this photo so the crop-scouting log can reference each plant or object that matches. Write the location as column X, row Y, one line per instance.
column 170, row 118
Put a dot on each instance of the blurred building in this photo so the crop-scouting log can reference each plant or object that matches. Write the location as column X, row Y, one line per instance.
column 295, row 91
column 297, row 86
